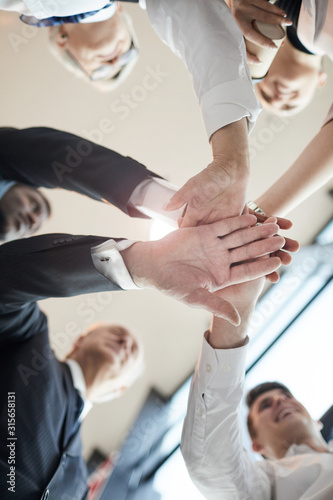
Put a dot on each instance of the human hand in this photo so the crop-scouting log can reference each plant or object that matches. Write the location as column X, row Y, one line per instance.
column 219, row 191
column 211, row 195
column 247, row 11
column 190, row 264
column 290, row 246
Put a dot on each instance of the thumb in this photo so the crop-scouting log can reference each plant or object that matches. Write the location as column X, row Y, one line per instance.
column 214, row 304
column 177, row 201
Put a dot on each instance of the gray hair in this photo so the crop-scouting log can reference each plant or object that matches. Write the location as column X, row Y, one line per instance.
column 67, row 62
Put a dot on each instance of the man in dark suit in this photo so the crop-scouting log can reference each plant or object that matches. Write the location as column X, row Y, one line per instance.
column 45, row 157
column 41, row 405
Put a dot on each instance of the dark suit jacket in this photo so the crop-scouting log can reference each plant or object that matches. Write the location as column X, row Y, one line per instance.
column 46, row 455
column 45, row 157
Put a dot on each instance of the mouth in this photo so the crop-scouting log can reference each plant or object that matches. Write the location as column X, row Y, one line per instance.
column 112, row 56
column 284, row 413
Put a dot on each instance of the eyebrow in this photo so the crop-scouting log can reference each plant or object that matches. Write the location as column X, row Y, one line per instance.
column 265, row 96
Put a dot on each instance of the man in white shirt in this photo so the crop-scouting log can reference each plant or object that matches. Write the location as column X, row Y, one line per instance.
column 207, row 38
column 299, row 463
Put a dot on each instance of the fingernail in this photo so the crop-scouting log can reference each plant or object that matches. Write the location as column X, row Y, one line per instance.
column 287, row 22
column 273, row 46
column 165, row 206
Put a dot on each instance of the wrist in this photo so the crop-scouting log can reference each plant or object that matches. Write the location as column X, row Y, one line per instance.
column 138, row 261
column 230, row 146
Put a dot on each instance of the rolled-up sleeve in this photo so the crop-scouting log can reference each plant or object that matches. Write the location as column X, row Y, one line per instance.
column 208, row 40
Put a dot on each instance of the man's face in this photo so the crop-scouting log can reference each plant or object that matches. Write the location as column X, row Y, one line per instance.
column 288, row 87
column 279, row 420
column 111, row 351
column 25, row 209
column 94, row 45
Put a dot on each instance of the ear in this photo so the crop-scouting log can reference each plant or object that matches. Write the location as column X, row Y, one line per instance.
column 319, row 424
column 322, row 77
column 257, row 447
column 62, row 37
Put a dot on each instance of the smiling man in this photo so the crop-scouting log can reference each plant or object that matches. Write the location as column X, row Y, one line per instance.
column 23, row 210
column 296, row 71
column 298, row 462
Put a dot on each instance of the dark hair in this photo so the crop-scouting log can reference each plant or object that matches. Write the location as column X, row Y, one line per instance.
column 257, row 391
column 2, row 224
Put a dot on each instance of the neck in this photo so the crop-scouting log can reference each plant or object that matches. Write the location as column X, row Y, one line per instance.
column 315, row 442
column 89, row 373
column 296, row 56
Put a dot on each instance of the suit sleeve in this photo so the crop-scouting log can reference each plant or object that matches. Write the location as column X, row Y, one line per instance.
column 45, row 157
column 52, row 265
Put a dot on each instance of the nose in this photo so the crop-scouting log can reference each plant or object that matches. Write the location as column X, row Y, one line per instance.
column 33, row 219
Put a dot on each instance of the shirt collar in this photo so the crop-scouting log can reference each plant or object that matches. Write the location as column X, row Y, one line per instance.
column 80, row 385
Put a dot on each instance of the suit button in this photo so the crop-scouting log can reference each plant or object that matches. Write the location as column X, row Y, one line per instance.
column 46, row 495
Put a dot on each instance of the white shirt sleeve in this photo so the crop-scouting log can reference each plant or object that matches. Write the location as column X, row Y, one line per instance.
column 206, row 37
column 212, row 439
column 151, row 195
column 108, row 261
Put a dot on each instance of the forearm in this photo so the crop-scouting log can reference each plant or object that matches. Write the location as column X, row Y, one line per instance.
column 230, row 149
column 44, row 157
column 212, row 439
column 223, row 335
column 53, row 265
column 312, row 169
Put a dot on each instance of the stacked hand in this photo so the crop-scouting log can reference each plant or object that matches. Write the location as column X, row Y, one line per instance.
column 192, row 263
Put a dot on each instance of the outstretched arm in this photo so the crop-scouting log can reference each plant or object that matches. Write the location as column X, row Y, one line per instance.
column 212, row 439
column 215, row 57
column 45, row 157
column 312, row 169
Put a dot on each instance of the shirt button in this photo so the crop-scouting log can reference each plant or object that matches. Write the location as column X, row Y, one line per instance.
column 226, row 368
column 200, row 412
column 105, row 259
column 208, row 367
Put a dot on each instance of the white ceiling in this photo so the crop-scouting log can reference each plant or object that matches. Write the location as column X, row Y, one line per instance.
column 164, row 132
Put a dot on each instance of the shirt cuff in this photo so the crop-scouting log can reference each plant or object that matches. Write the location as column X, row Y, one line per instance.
column 80, row 385
column 219, row 368
column 109, row 262
column 151, row 195
column 239, row 102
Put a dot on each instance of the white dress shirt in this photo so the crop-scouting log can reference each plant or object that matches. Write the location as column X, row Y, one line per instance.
column 212, row 441
column 206, row 37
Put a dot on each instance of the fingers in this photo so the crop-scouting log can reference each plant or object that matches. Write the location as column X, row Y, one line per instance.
column 273, row 277
column 226, row 226
column 281, row 222
column 285, row 257
column 252, row 58
column 257, row 249
column 216, row 305
column 253, row 270
column 177, row 201
column 249, row 234
column 291, row 245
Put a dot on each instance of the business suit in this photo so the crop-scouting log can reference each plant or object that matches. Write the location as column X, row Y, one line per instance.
column 48, row 461
column 48, row 454
column 45, row 157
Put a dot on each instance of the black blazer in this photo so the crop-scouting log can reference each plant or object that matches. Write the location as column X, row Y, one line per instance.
column 45, row 157
column 46, row 456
